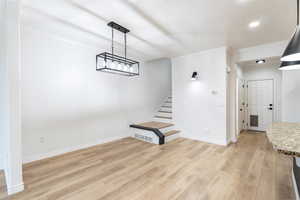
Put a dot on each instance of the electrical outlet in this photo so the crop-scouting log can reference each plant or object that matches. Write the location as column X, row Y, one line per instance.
column 206, row 130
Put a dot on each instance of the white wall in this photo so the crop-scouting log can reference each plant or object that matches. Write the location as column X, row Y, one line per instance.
column 266, row 71
column 291, row 96
column 3, row 82
column 239, row 72
column 198, row 112
column 10, row 95
column 68, row 105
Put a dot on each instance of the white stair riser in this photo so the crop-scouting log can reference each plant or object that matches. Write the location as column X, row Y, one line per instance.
column 144, row 135
column 171, row 137
column 162, row 120
column 166, row 109
column 164, row 114
column 167, row 104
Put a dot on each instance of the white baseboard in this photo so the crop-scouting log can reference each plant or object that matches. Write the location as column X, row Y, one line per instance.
column 15, row 189
column 222, row 143
column 295, row 186
column 28, row 159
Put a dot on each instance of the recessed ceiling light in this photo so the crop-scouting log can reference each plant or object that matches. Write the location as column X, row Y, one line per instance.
column 254, row 24
column 260, row 61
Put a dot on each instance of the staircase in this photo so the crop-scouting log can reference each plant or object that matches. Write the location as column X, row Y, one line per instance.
column 161, row 129
column 164, row 114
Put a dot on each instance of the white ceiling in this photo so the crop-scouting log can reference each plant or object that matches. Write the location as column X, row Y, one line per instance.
column 165, row 28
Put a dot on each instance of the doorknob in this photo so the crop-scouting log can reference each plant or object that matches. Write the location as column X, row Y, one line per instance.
column 270, row 108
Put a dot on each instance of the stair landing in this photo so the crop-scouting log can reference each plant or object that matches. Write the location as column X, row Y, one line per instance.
column 153, row 124
column 155, row 132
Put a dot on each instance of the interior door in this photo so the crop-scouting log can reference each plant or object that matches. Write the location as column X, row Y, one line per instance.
column 241, row 105
column 260, row 104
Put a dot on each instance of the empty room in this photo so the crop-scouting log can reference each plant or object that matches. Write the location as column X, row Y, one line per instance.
column 149, row 100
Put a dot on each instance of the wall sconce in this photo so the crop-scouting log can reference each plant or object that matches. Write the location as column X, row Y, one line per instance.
column 194, row 76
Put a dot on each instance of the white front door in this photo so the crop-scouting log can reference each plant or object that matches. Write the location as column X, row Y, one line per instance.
column 260, row 104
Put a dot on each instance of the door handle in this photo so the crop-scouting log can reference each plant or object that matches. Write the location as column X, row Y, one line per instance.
column 270, row 108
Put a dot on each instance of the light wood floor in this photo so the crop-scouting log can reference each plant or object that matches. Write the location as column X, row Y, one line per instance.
column 2, row 185
column 181, row 170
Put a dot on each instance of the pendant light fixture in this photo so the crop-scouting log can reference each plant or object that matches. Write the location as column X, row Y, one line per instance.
column 111, row 63
column 292, row 52
column 292, row 65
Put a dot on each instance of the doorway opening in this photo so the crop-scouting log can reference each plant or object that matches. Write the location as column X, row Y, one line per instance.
column 258, row 95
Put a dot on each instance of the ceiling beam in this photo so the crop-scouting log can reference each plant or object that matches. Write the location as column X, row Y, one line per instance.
column 105, row 20
column 152, row 22
column 79, row 28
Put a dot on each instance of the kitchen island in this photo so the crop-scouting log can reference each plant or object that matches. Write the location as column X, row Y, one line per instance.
column 285, row 138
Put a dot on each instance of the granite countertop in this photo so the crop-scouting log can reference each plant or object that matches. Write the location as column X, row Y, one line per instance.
column 285, row 137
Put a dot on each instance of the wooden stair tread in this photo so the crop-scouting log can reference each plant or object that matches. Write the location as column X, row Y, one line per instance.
column 168, row 101
column 164, row 111
column 163, row 117
column 172, row 132
column 157, row 125
column 166, row 106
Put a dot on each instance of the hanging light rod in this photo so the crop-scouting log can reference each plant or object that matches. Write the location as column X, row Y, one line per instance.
column 292, row 51
column 111, row 63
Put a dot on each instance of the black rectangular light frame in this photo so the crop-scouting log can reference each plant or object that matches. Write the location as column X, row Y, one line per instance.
column 108, row 56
